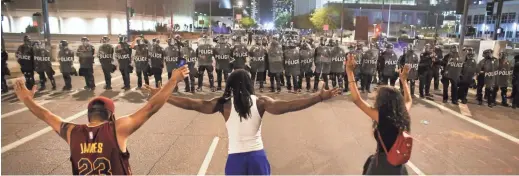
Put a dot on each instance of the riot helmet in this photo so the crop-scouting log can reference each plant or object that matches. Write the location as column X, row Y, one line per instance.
column 470, row 52
column 454, row 49
column 37, row 44
column 63, row 44
column 488, row 53
column 26, row 40
column 105, row 39
column 389, row 46
column 257, row 40
column 503, row 55
column 410, row 47
column 84, row 41
column 122, row 39
column 322, row 41
column 222, row 39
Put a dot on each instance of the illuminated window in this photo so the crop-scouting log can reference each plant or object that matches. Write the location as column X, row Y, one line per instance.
column 469, row 20
column 75, row 25
column 479, row 19
column 99, row 26
column 491, row 19
column 5, row 24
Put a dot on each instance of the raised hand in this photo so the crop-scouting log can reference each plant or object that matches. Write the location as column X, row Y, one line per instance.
column 350, row 62
column 22, row 92
column 404, row 73
column 327, row 94
column 180, row 73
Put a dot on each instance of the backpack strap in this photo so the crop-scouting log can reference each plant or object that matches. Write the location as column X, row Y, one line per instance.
column 382, row 142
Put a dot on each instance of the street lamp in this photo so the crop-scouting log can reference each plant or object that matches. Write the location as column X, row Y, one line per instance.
column 240, row 4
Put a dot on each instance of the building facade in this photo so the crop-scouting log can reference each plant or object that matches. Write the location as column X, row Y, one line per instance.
column 98, row 16
column 485, row 24
column 283, row 6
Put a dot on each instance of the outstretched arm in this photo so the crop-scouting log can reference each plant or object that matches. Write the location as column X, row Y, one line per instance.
column 277, row 107
column 202, row 106
column 127, row 125
column 26, row 96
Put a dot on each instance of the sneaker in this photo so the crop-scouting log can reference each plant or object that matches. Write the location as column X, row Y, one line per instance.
column 199, row 89
column 464, row 101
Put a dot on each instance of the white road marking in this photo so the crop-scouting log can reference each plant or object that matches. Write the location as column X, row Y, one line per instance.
column 47, row 129
column 414, row 168
column 465, row 110
column 48, row 101
column 475, row 122
column 208, row 156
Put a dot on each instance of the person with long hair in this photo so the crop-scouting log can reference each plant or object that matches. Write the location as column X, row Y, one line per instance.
column 243, row 112
column 99, row 147
column 390, row 115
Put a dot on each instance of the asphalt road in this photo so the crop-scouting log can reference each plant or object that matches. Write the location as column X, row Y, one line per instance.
column 332, row 137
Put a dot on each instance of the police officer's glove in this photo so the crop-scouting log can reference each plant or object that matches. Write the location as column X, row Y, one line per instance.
column 131, row 69
column 114, row 67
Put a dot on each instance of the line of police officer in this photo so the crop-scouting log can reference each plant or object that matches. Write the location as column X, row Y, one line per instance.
column 289, row 61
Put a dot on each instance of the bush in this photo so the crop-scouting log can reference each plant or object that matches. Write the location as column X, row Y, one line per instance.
column 32, row 29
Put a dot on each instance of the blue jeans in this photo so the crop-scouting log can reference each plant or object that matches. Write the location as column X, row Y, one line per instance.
column 248, row 163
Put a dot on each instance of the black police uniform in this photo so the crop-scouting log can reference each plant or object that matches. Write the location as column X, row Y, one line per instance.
column 190, row 55
column 156, row 56
column 488, row 67
column 66, row 61
column 452, row 66
column 105, row 55
column 5, row 71
column 44, row 67
column 86, row 64
column 468, row 72
column 368, row 68
column 205, row 53
column 25, row 58
column 141, row 64
column 258, row 54
column 503, row 75
column 425, row 73
column 123, row 54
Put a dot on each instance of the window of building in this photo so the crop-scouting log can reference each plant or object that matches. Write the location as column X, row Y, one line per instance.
column 491, row 19
column 508, row 17
column 479, row 19
column 480, row 33
column 509, row 34
column 517, row 34
column 469, row 20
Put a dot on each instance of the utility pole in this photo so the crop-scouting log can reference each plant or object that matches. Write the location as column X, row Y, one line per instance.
column 498, row 18
column 3, row 42
column 436, row 29
column 210, row 17
column 46, row 26
column 464, row 22
column 128, row 20
column 342, row 19
column 388, row 20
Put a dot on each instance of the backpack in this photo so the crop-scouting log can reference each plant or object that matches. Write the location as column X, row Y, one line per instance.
column 400, row 152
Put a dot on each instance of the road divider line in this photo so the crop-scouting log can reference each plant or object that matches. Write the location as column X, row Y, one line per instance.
column 475, row 122
column 470, row 120
column 208, row 156
column 414, row 168
column 48, row 101
column 47, row 129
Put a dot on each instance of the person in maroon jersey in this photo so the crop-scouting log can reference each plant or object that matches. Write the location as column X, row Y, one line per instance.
column 99, row 147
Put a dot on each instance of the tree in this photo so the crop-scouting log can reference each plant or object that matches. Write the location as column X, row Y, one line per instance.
column 331, row 15
column 282, row 20
column 247, row 22
column 303, row 22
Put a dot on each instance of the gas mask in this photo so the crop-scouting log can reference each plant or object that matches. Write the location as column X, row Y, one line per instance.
column 27, row 40
column 487, row 54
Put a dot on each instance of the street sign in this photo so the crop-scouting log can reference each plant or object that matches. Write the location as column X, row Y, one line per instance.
column 238, row 16
column 325, row 27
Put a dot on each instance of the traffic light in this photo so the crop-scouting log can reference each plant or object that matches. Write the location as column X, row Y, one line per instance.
column 490, row 8
column 131, row 11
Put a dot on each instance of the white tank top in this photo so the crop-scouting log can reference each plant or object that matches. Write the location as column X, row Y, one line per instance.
column 244, row 136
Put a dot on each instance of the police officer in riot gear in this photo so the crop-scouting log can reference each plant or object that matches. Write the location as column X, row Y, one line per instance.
column 452, row 64
column 85, row 52
column 172, row 53
column 468, row 72
column 141, row 61
column 292, row 66
column 368, row 67
column 358, row 52
column 389, row 72
column 504, row 72
column 411, row 59
column 306, row 54
column 275, row 64
column 322, row 60
column 105, row 55
column 487, row 78
column 337, row 70
column 205, row 62
column 515, row 82
column 156, row 54
column 222, row 54
column 66, row 61
column 43, row 65
column 190, row 56
column 425, row 72
column 258, row 54
column 239, row 54
column 123, row 54
column 25, row 58
column 437, row 64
